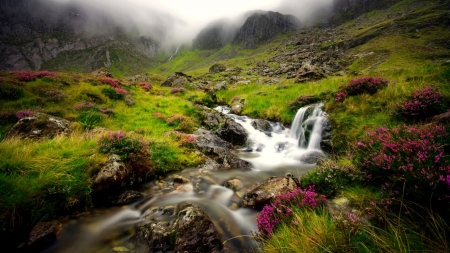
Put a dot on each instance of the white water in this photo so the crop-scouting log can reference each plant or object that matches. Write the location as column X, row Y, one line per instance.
column 176, row 51
column 276, row 153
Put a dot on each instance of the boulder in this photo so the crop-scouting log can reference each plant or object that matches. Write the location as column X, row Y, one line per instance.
column 195, row 231
column 233, row 132
column 236, row 108
column 443, row 118
column 180, row 179
column 43, row 234
column 221, row 86
column 40, row 126
column 261, row 125
column 234, row 184
column 309, row 72
column 312, row 157
column 261, row 194
column 159, row 230
column 218, row 150
column 179, row 79
column 217, row 68
column 212, row 118
column 113, row 177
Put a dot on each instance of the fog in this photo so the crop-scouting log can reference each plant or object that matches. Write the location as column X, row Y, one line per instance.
column 178, row 21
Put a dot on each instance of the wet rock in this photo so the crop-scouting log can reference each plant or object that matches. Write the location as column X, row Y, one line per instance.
column 114, row 176
column 212, row 118
column 180, row 179
column 159, row 233
column 308, row 73
column 218, row 150
column 195, row 232
column 234, row 184
column 233, row 132
column 327, row 135
column 263, row 193
column 303, row 100
column 312, row 157
column 236, row 108
column 40, row 125
column 217, row 68
column 178, row 80
column 262, row 125
column 43, row 234
column 209, row 165
column 127, row 197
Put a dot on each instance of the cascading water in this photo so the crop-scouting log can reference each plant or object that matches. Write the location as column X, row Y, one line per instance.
column 274, row 152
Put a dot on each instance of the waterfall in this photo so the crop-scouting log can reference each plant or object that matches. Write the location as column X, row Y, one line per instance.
column 176, row 51
column 313, row 123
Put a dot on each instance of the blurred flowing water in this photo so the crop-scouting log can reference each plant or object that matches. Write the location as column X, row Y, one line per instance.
column 277, row 152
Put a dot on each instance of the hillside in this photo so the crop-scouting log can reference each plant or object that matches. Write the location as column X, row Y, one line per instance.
column 381, row 69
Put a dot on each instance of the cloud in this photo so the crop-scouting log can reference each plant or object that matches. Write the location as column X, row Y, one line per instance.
column 177, row 21
column 308, row 11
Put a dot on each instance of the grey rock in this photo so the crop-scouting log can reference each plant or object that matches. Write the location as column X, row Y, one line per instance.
column 195, row 231
column 43, row 234
column 308, row 73
column 113, row 176
column 179, row 79
column 234, row 184
column 233, row 132
column 237, row 108
column 217, row 68
column 261, row 194
column 40, row 126
column 221, row 86
column 212, row 118
column 262, row 125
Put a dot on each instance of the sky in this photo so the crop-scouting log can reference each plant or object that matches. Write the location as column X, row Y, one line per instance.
column 185, row 18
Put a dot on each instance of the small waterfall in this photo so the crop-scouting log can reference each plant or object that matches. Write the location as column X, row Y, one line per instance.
column 176, row 51
column 313, row 124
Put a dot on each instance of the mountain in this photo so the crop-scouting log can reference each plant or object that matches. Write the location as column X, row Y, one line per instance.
column 259, row 27
column 50, row 35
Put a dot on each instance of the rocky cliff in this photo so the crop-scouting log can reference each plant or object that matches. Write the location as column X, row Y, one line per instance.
column 41, row 33
column 215, row 35
column 345, row 10
column 261, row 26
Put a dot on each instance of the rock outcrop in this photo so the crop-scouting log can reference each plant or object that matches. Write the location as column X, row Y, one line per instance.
column 261, row 26
column 113, row 176
column 217, row 68
column 308, row 73
column 40, row 126
column 215, row 35
column 233, row 132
column 179, row 79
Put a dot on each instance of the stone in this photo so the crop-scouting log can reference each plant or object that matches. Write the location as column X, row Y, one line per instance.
column 234, row 184
column 312, row 156
column 127, row 197
column 308, row 73
column 212, row 118
column 236, row 108
column 218, row 150
column 262, row 125
column 264, row 193
column 179, row 79
column 180, row 179
column 217, row 68
column 113, row 176
column 221, row 86
column 195, row 231
column 39, row 126
column 233, row 132
column 43, row 234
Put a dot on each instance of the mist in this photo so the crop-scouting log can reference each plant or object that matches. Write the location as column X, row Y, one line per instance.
column 172, row 22
column 309, row 12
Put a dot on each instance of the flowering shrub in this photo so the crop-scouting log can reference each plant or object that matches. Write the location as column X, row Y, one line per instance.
column 53, row 95
column 280, row 210
column 329, row 178
column 177, row 90
column 10, row 92
column 116, row 93
column 25, row 113
column 112, row 82
column 362, row 85
column 28, row 76
column 186, row 140
column 348, row 222
column 421, row 104
column 407, row 162
column 146, row 86
column 175, row 120
column 235, row 98
column 129, row 149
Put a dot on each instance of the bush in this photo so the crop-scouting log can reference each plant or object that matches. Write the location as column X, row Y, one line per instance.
column 329, row 178
column 113, row 93
column 146, row 86
column 130, row 150
column 89, row 119
column 177, row 90
column 280, row 210
column 421, row 104
column 25, row 113
column 407, row 163
column 28, row 76
column 362, row 85
column 7, row 118
column 53, row 95
column 112, row 82
column 10, row 92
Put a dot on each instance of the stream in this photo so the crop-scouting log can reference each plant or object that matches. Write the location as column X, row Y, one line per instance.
column 278, row 152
